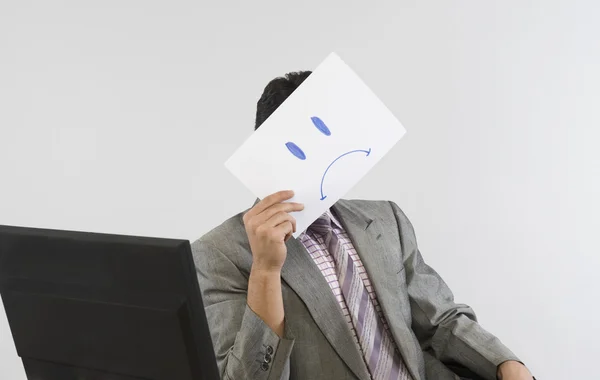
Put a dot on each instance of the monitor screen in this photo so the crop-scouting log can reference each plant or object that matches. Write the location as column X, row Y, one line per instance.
column 97, row 306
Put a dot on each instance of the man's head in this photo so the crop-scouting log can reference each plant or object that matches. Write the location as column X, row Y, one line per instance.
column 276, row 92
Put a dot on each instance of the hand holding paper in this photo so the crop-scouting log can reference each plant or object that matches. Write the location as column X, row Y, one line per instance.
column 320, row 142
column 269, row 225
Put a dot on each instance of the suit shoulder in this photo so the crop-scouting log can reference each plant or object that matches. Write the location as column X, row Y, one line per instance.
column 387, row 211
column 228, row 237
column 380, row 208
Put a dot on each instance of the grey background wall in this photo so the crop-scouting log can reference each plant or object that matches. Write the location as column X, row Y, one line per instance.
column 117, row 117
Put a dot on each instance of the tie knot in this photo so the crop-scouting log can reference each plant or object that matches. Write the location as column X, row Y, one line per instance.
column 321, row 226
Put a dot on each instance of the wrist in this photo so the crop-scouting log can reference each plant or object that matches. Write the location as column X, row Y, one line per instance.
column 265, row 297
column 259, row 271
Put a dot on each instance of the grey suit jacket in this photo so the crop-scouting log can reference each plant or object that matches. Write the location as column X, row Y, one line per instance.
column 429, row 328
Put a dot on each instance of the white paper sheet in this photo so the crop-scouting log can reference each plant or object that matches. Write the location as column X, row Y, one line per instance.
column 320, row 142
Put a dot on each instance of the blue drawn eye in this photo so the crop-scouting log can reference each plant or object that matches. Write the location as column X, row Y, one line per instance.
column 321, row 126
column 295, row 150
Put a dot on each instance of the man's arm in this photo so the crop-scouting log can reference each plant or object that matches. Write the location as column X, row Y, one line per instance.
column 265, row 298
column 449, row 330
column 244, row 316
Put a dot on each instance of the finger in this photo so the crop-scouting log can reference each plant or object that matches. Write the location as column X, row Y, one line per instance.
column 277, row 208
column 283, row 230
column 280, row 218
column 270, row 200
column 291, row 233
column 261, row 218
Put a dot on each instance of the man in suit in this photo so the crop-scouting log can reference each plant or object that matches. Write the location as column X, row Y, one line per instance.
column 350, row 298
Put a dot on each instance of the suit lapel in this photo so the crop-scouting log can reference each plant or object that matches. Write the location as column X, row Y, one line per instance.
column 303, row 276
column 368, row 237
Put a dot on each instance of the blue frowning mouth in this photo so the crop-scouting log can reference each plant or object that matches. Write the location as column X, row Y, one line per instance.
column 323, row 196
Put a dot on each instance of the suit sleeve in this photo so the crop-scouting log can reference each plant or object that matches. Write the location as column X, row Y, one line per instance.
column 245, row 347
column 446, row 329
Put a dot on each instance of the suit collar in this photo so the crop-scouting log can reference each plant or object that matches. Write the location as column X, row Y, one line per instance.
column 346, row 215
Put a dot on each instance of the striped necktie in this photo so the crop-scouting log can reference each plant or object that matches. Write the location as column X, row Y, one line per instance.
column 378, row 348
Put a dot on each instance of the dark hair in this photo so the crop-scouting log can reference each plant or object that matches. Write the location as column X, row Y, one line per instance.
column 276, row 92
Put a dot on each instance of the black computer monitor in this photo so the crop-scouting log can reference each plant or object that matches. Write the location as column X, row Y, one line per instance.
column 104, row 307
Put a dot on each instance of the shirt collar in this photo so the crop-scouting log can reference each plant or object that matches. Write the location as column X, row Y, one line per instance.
column 334, row 221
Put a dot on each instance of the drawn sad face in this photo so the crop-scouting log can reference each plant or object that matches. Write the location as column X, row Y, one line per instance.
column 299, row 153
